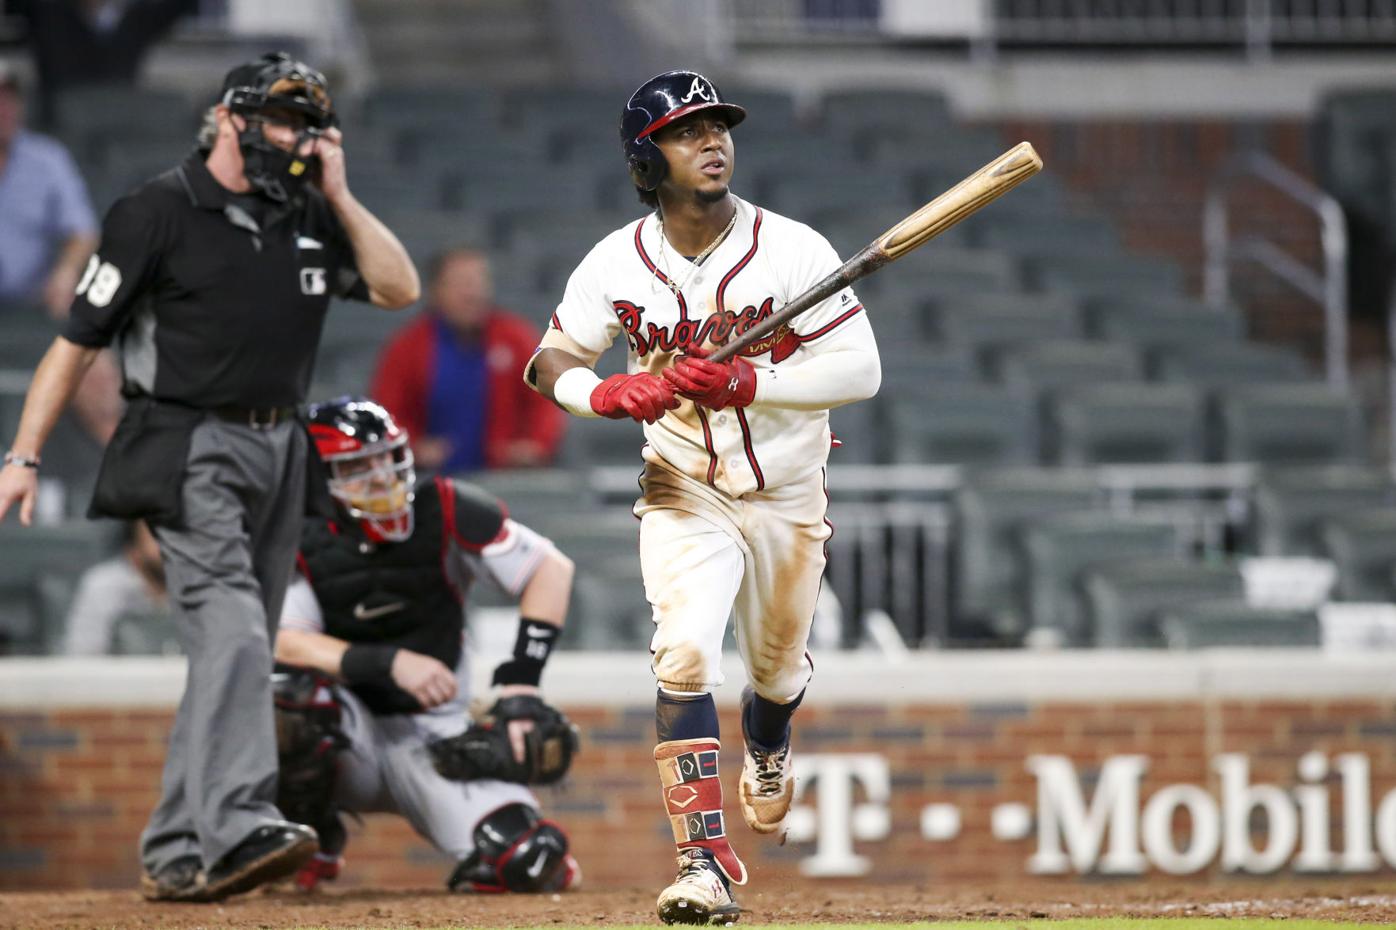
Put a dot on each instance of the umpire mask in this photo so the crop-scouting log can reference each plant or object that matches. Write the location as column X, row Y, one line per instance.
column 277, row 88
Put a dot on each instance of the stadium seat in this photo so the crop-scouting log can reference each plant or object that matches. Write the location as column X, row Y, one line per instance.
column 391, row 108
column 1290, row 424
column 1049, row 365
column 1231, row 623
column 991, row 509
column 1043, row 235
column 1292, row 503
column 1363, row 546
column 610, row 609
column 1155, row 323
column 1062, row 547
column 1226, row 362
column 1095, row 275
column 1119, row 423
column 872, row 109
column 1002, row 320
column 859, row 430
column 804, row 195
column 601, row 441
column 911, row 368
column 535, row 496
column 1123, row 599
column 964, row 424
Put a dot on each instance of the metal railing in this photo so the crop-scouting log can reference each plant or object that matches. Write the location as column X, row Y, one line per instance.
column 1327, row 286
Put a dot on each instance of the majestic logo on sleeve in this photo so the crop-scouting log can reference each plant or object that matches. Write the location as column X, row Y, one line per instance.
column 646, row 337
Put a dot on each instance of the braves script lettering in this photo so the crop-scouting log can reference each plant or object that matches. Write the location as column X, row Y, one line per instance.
column 646, row 337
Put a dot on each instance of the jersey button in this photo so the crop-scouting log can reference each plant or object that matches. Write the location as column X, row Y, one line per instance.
column 722, row 419
column 734, row 462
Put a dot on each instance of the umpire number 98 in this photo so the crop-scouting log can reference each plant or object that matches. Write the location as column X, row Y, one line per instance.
column 99, row 282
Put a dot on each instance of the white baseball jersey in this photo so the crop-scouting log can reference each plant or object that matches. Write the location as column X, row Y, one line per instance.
column 634, row 284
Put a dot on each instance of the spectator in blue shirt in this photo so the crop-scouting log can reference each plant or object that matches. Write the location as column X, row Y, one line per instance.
column 47, row 226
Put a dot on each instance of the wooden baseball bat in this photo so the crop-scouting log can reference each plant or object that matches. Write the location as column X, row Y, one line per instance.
column 987, row 184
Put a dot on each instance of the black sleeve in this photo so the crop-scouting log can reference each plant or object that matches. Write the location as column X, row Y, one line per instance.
column 479, row 516
column 117, row 274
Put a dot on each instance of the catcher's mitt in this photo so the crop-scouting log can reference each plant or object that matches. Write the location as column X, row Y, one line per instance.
column 483, row 750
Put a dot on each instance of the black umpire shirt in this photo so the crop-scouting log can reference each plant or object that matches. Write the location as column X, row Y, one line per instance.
column 214, row 304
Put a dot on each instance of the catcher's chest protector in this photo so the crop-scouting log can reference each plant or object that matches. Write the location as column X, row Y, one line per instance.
column 390, row 593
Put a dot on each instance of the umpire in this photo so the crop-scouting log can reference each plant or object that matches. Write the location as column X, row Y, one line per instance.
column 213, row 280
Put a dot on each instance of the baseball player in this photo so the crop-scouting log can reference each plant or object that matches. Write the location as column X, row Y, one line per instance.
column 732, row 503
column 372, row 635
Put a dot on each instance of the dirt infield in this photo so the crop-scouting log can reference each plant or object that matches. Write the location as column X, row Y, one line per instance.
column 1368, row 902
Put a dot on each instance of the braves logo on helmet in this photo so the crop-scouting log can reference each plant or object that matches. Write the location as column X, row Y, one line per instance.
column 658, row 102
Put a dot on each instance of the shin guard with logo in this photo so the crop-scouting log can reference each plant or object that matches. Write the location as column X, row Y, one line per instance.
column 693, row 800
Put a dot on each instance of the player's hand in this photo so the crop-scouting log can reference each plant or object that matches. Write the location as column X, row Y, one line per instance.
column 643, row 397
column 426, row 679
column 19, row 485
column 715, row 385
column 518, row 728
column 332, row 178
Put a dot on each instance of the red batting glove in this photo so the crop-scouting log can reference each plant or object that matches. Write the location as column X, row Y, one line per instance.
column 716, row 385
column 642, row 397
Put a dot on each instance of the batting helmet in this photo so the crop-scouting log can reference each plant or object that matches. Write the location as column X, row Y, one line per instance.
column 659, row 101
column 370, row 463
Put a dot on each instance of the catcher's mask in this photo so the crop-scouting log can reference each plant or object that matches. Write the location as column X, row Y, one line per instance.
column 654, row 105
column 277, row 87
column 370, row 464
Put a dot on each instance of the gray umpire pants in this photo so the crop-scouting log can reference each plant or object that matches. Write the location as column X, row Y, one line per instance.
column 227, row 565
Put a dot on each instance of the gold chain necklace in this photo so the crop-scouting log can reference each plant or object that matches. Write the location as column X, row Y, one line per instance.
column 698, row 260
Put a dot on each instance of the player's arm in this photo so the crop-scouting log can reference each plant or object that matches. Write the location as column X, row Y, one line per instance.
column 845, row 370
column 301, row 642
column 382, row 261
column 558, row 373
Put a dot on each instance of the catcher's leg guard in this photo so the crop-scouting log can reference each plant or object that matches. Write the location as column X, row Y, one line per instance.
column 516, row 850
column 693, row 800
column 308, row 739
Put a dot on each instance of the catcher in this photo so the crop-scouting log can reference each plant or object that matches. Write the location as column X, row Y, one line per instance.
column 373, row 677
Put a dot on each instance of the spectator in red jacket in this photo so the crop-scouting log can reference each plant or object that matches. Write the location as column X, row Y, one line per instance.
column 451, row 376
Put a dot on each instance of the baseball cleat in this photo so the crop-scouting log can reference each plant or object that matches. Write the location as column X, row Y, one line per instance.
column 767, row 786
column 699, row 895
column 180, row 880
column 271, row 853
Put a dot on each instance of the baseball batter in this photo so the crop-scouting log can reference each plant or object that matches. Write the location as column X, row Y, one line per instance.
column 375, row 672
column 732, row 503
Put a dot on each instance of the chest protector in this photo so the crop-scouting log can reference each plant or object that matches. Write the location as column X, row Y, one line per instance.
column 395, row 594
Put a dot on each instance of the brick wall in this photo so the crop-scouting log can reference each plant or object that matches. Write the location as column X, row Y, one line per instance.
column 76, row 785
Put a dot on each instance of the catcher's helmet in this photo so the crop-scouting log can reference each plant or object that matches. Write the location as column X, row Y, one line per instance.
column 276, row 81
column 370, row 463
column 659, row 101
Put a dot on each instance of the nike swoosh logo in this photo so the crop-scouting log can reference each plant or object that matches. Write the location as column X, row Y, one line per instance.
column 537, row 868
column 373, row 613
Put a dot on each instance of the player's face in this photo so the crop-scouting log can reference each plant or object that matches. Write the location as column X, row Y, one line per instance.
column 367, row 476
column 282, row 128
column 700, row 155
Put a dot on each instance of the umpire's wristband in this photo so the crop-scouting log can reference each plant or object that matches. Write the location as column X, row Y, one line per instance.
column 363, row 663
column 531, row 650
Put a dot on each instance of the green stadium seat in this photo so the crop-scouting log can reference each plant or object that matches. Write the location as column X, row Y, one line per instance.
column 1231, row 623
column 1122, row 423
column 1291, row 505
column 1095, row 275
column 1152, row 323
column 1290, row 424
column 1061, row 548
column 1123, row 599
column 1226, row 362
column 991, row 510
column 1049, row 365
column 964, row 424
column 1362, row 544
column 1003, row 320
